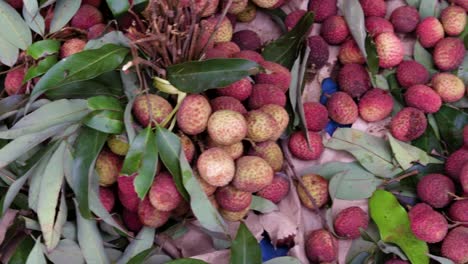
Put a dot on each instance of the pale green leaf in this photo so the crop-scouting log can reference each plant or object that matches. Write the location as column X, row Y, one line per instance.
column 142, row 242
column 113, row 37
column 354, row 16
column 36, row 256
column 262, row 205
column 8, row 52
column 32, row 16
column 63, row 12
column 67, row 251
column 13, row 29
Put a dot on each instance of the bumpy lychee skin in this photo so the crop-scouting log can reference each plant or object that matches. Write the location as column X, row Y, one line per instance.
column 150, row 216
column 235, row 150
column 464, row 178
column 378, row 25
column 354, row 80
column 448, row 86
column 252, row 174
column 348, row 221
column 462, row 3
column 224, row 31
column 204, row 8
column 108, row 166
column 118, row 144
column 207, row 188
column 249, row 55
column 396, row 261
column 435, row 190
column 321, row 246
column 151, row 105
column 376, row 8
column 429, row 32
column 249, row 13
column 408, row 124
column 213, row 53
column 16, row 4
column 449, row 54
column 323, row 9
column 95, row 3
column 276, row 190
column 163, row 194
column 271, row 152
column 319, row 52
column 350, row 53
column 234, row 216
column 247, row 40
column 424, row 98
column 229, row 47
column 405, row 19
column 86, row 17
column 237, row 6
column 455, row 163
column 188, row 147
column 216, row 167
column 107, row 198
column 260, row 126
column 193, row 114
column 269, row 4
column 459, row 211
column 232, row 199
column 411, row 72
column 375, row 105
column 453, row 20
column 96, row 31
column 455, row 245
column 14, row 81
column 227, row 127
column 127, row 194
column 316, row 116
column 240, row 90
column 131, row 220
column 274, row 74
column 71, row 47
column 427, row 224
column 299, row 148
column 227, row 103
column 342, row 109
column 263, row 94
column 292, row 18
column 334, row 30
column 389, row 49
column 281, row 117
column 317, row 186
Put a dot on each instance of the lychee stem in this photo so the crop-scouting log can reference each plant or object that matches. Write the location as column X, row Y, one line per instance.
column 399, row 178
column 456, row 197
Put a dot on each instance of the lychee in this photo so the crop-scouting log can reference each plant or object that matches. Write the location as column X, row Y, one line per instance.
column 240, row 90
column 96, row 31
column 375, row 105
column 204, row 8
column 389, row 50
column 453, row 20
column 348, row 222
column 455, row 245
column 16, row 4
column 227, row 103
column 206, row 187
column 95, row 3
column 14, row 81
column 127, row 194
column 449, row 54
column 323, row 9
column 411, row 72
column 181, row 210
column 216, row 167
column 263, row 94
column 227, row 127
column 424, row 98
column 86, row 17
column 247, row 40
column 317, row 187
column 465, row 135
column 276, row 190
column 260, row 126
column 188, row 147
column 249, row 55
column 376, row 8
column 237, row 6
column 131, row 220
column 462, row 3
column 118, row 144
column 292, row 18
column 234, row 216
column 71, row 47
column 341, row 108
column 464, row 178
column 427, row 224
column 396, row 261
column 235, row 150
column 350, row 53
column 334, row 30
column 354, row 80
column 252, row 174
column 378, row 25
column 408, row 124
column 281, row 117
column 268, row 4
column 316, row 116
column 224, row 31
column 319, row 52
column 163, row 194
column 249, row 13
column 232, row 199
column 429, row 32
column 108, row 166
column 300, row 149
column 448, row 86
column 213, row 53
column 455, row 163
column 459, row 211
column 436, row 190
column 107, row 198
column 229, row 47
column 271, row 152
column 193, row 114
column 321, row 246
column 151, row 109
column 274, row 74
column 150, row 216
column 405, row 19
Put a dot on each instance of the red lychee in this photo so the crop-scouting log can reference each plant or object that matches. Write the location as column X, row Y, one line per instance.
column 260, row 126
column 234, row 216
column 292, row 18
column 323, row 9
column 96, row 31
column 95, row 3
column 213, row 53
column 464, row 178
column 86, row 17
column 449, row 54
column 263, row 94
column 389, row 49
column 240, row 90
column 107, row 198
column 216, row 167
column 14, row 81
column 252, row 174
column 275, row 74
column 227, row 103
column 317, row 187
column 316, row 116
column 319, row 52
column 299, row 148
column 334, row 30
column 453, row 20
column 353, row 79
column 429, row 32
column 150, row 106
column 271, row 152
column 276, row 190
column 108, row 166
column 321, row 246
column 127, row 194
column 411, row 72
column 455, row 245
column 427, row 224
column 408, row 124
column 163, row 194
column 131, row 220
column 396, row 261
column 232, row 199
column 247, row 40
column 455, row 162
column 16, row 4
column 150, row 216
column 280, row 115
column 436, row 190
column 459, row 211
column 193, row 114
column 375, row 105
column 424, row 98
column 341, row 108
column 227, row 127
column 224, row 31
column 348, row 222
column 378, row 25
column 448, row 86
column 249, row 55
column 188, row 147
column 71, row 47
column 376, row 8
column 229, row 47
column 350, row 53
column 405, row 19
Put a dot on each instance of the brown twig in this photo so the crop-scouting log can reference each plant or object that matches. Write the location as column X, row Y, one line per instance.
column 399, row 178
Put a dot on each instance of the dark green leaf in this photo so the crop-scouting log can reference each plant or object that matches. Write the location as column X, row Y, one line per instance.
column 63, row 12
column 277, row 15
column 43, row 48
column 169, row 150
column 140, row 248
column 104, row 103
column 141, row 257
column 187, row 261
column 42, row 67
column 245, row 248
column 352, row 12
column 8, row 53
column 118, row 7
column 428, row 141
column 105, row 121
column 22, row 251
column 372, row 59
column 427, row 8
column 88, row 145
column 285, row 49
column 14, row 30
column 451, row 122
column 81, row 66
column 394, row 226
column 198, row 76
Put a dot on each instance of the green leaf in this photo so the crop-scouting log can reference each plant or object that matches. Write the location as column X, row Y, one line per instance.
column 32, row 16
column 67, row 251
column 394, row 226
column 22, row 251
column 359, row 246
column 81, row 66
column 42, row 67
column 283, row 260
column 106, row 121
column 277, row 15
column 372, row 59
column 463, row 74
column 352, row 12
column 391, row 249
column 87, row 147
column 199, row 76
column 262, row 205
column 414, row 3
column 8, row 53
column 428, row 141
column 169, row 151
column 43, row 48
column 113, row 37
column 441, row 260
column 285, row 49
column 351, row 185
column 118, row 7
column 381, row 82
column 104, row 103
column 245, row 248
column 423, row 56
column 372, row 152
column 140, row 244
column 14, row 30
column 427, row 8
column 187, row 261
column 300, row 87
column 451, row 122
column 63, row 12
column 142, row 257
column 36, row 256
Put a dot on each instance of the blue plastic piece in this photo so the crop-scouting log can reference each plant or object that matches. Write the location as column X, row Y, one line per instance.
column 269, row 251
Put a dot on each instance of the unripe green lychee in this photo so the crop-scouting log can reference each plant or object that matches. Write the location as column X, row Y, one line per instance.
column 453, row 20
column 375, row 105
column 436, row 190
column 389, row 50
column 342, row 109
column 249, row 13
column 271, row 152
column 252, row 174
column 408, row 124
column 276, row 190
column 227, row 127
column 448, row 86
column 300, row 149
column 216, row 167
column 150, row 106
column 317, row 187
column 429, row 32
column 163, row 194
column 269, row 4
column 321, row 246
column 427, row 224
column 118, row 144
column 224, row 31
column 237, row 6
column 280, row 115
column 232, row 199
column 150, row 216
column 348, row 222
column 260, row 126
column 108, row 166
column 193, row 114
